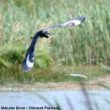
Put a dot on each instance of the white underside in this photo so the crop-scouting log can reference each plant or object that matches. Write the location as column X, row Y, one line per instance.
column 28, row 63
column 72, row 22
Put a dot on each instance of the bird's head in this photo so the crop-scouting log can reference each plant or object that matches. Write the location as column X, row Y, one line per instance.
column 43, row 34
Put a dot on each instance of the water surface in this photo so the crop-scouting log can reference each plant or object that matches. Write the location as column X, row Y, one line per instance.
column 99, row 100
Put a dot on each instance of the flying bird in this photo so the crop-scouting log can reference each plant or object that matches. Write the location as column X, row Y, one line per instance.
column 28, row 61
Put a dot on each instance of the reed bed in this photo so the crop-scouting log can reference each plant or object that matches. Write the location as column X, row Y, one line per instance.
column 87, row 44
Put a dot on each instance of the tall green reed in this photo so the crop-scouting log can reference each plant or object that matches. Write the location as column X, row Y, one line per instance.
column 85, row 44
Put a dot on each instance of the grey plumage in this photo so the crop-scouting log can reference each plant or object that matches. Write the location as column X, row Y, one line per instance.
column 28, row 61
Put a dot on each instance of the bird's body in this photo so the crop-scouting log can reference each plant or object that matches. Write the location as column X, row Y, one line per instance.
column 28, row 61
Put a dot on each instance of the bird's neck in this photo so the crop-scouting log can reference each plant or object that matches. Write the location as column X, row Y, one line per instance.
column 35, row 38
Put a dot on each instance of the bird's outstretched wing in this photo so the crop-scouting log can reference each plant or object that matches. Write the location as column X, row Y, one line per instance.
column 28, row 61
column 73, row 22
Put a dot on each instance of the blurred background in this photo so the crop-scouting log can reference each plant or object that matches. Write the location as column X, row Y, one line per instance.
column 83, row 49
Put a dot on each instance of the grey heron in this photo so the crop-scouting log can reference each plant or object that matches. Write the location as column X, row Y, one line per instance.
column 28, row 61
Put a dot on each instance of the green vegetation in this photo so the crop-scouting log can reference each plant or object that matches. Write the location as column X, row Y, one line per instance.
column 87, row 44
